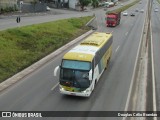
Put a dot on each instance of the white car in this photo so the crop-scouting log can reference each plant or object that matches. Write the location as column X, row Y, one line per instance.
column 156, row 10
column 121, row 4
column 48, row 8
column 125, row 13
column 142, row 11
column 136, row 10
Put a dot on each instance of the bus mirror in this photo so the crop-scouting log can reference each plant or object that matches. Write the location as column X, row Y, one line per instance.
column 90, row 75
column 55, row 70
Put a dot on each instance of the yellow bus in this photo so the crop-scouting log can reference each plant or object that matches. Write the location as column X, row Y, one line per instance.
column 82, row 66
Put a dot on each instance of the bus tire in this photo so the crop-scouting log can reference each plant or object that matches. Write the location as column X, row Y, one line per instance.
column 95, row 82
column 107, row 63
column 118, row 22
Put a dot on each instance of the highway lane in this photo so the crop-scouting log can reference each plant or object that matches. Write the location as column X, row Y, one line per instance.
column 156, row 47
column 34, row 92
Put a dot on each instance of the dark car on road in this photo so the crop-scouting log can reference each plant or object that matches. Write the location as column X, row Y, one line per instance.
column 132, row 14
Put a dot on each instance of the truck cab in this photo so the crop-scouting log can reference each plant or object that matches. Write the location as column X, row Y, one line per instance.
column 113, row 19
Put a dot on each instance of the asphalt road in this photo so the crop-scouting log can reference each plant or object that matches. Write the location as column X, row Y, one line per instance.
column 156, row 49
column 39, row 91
column 30, row 20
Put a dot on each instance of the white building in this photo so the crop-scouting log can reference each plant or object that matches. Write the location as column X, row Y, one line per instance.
column 73, row 4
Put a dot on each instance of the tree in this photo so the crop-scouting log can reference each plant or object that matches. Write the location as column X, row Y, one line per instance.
column 84, row 3
column 95, row 3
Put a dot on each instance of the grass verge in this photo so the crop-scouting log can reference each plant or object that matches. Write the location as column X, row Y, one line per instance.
column 21, row 47
column 158, row 1
column 123, row 8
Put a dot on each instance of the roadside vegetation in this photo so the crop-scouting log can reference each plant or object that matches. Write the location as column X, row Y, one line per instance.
column 21, row 47
column 158, row 1
column 121, row 9
column 84, row 3
column 8, row 9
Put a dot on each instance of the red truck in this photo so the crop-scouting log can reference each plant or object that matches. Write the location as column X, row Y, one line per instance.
column 113, row 19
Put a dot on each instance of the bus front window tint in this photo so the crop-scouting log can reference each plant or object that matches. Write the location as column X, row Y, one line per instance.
column 75, row 78
column 68, row 74
column 81, row 77
column 71, row 64
column 76, row 74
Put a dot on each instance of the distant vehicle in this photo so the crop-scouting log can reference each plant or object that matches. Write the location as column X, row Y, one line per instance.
column 100, row 4
column 103, row 3
column 116, row 3
column 136, row 10
column 142, row 11
column 121, row 4
column 113, row 19
column 111, row 4
column 82, row 67
column 106, row 3
column 125, row 13
column 48, row 8
column 132, row 14
column 106, row 6
column 156, row 10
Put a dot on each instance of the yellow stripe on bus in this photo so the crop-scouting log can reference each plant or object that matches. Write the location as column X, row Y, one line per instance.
column 78, row 56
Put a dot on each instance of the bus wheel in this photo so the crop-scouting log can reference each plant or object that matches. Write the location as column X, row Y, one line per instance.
column 107, row 63
column 118, row 22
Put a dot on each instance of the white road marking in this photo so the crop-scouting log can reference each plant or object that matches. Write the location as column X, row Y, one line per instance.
column 54, row 87
column 126, row 34
column 111, row 32
column 117, row 49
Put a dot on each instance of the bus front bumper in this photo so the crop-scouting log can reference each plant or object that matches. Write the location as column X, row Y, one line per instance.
column 85, row 93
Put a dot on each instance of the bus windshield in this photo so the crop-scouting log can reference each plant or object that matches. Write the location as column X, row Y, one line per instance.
column 75, row 73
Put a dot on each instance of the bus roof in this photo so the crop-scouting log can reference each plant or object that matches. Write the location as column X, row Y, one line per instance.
column 97, row 39
column 87, row 49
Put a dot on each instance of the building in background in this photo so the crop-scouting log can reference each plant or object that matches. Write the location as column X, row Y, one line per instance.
column 58, row 3
column 71, row 4
column 28, row 6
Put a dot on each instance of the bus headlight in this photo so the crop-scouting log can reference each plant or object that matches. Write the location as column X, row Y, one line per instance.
column 61, row 88
column 86, row 91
